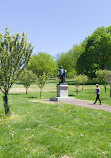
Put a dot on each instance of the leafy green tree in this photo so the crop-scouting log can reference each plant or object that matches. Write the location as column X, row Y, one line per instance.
column 43, row 63
column 84, row 80
column 101, row 77
column 41, row 80
column 69, row 59
column 97, row 53
column 15, row 52
column 27, row 78
column 77, row 82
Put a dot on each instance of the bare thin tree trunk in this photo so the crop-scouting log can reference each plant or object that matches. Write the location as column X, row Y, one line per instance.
column 6, row 107
column 110, row 90
column 82, row 87
column 105, row 89
column 40, row 92
column 77, row 90
column 26, row 90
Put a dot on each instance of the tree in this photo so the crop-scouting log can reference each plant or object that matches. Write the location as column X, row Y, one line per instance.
column 15, row 52
column 101, row 77
column 27, row 78
column 108, row 79
column 69, row 59
column 97, row 53
column 77, row 82
column 41, row 80
column 43, row 63
column 84, row 80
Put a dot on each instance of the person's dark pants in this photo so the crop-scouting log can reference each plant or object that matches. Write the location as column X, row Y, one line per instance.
column 97, row 98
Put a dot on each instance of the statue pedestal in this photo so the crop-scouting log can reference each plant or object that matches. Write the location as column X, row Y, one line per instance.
column 62, row 90
column 62, row 93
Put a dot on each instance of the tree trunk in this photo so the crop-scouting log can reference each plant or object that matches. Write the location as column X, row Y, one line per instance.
column 105, row 89
column 110, row 90
column 6, row 107
column 40, row 92
column 26, row 90
column 77, row 90
column 82, row 87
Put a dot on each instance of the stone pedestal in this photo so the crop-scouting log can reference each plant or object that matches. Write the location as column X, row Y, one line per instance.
column 62, row 90
column 62, row 93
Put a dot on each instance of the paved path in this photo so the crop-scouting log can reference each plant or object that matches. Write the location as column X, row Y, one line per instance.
column 85, row 104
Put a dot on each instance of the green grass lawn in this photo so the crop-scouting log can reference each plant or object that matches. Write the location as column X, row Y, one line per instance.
column 87, row 94
column 41, row 130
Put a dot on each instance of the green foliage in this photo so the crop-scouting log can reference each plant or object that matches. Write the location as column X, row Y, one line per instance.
column 77, row 82
column 71, row 74
column 97, row 53
column 84, row 80
column 108, row 76
column 14, row 56
column 27, row 78
column 43, row 63
column 101, row 77
column 41, row 80
column 80, row 79
column 15, row 52
column 108, row 79
column 69, row 59
column 57, row 80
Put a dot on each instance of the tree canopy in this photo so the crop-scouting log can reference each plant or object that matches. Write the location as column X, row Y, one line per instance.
column 27, row 78
column 69, row 59
column 97, row 53
column 43, row 63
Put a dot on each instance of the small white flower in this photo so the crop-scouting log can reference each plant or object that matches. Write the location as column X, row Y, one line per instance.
column 81, row 135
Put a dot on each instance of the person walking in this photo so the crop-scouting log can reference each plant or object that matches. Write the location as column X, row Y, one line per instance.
column 97, row 94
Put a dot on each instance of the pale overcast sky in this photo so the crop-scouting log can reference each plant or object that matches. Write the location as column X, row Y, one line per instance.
column 54, row 26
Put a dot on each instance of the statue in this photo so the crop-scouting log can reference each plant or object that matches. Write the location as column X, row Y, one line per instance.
column 62, row 74
column 62, row 87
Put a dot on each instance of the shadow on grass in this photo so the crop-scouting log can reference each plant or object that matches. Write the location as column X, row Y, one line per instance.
column 32, row 97
column 14, row 94
column 71, row 95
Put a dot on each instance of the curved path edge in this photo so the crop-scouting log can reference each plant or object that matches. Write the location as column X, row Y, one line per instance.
column 84, row 103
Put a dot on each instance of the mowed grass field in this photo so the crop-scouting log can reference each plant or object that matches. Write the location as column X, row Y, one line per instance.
column 50, row 89
column 37, row 129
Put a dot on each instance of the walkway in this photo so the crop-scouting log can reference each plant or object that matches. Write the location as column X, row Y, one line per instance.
column 85, row 104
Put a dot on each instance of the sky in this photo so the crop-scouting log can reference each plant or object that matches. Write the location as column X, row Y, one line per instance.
column 54, row 26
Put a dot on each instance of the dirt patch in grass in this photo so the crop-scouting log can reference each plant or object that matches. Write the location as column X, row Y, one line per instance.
column 23, row 90
column 65, row 156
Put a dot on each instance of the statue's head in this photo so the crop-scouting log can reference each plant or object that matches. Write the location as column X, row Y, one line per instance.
column 61, row 67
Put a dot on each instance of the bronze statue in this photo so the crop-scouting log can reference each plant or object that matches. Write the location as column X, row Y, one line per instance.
column 62, row 75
